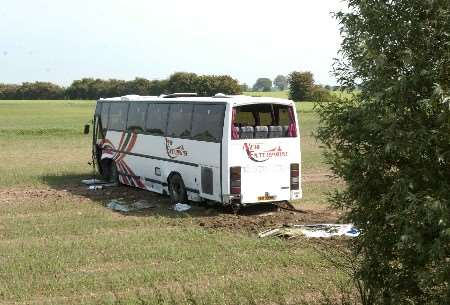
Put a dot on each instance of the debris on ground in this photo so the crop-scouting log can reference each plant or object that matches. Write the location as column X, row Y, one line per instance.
column 181, row 207
column 314, row 231
column 93, row 181
column 122, row 206
column 95, row 187
column 97, row 184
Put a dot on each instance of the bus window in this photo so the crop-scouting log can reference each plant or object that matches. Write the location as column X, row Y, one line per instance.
column 179, row 125
column 207, row 122
column 136, row 116
column 118, row 116
column 157, row 118
column 263, row 121
column 244, row 118
column 104, row 115
column 283, row 116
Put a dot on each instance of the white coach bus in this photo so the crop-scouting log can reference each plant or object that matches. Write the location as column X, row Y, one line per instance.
column 234, row 150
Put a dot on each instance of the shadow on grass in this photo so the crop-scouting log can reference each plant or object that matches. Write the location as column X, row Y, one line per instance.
column 72, row 184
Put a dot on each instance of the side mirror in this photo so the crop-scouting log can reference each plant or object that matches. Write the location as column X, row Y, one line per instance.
column 86, row 129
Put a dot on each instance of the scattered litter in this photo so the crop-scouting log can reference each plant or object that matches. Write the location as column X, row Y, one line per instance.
column 313, row 231
column 93, row 181
column 269, row 232
column 122, row 206
column 181, row 207
column 266, row 214
column 95, row 187
column 96, row 184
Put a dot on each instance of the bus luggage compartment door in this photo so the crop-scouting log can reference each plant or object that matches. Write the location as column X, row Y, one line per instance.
column 265, row 183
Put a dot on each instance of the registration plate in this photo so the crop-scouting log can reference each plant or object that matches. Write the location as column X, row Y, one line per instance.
column 266, row 197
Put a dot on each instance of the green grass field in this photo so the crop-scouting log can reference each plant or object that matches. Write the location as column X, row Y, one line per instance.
column 60, row 245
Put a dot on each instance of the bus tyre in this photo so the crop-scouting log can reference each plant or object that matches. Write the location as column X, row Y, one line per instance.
column 177, row 190
column 113, row 173
column 109, row 171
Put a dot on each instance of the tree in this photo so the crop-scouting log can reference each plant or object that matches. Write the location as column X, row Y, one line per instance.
column 280, row 82
column 209, row 85
column 301, row 85
column 263, row 84
column 182, row 82
column 321, row 95
column 390, row 143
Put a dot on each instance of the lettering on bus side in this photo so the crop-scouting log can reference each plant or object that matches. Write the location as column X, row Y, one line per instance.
column 257, row 153
column 175, row 151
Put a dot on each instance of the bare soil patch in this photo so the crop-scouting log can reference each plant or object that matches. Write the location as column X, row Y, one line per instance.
column 250, row 219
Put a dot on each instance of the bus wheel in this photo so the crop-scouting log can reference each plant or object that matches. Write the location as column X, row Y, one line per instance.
column 109, row 171
column 177, row 190
column 113, row 173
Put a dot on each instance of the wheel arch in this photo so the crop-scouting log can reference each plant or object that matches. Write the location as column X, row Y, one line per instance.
column 171, row 174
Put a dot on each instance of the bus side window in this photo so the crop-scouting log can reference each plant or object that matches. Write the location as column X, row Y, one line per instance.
column 136, row 116
column 207, row 122
column 179, row 125
column 157, row 119
column 104, row 115
column 118, row 116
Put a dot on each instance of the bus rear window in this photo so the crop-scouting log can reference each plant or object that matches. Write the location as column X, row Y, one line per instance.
column 263, row 121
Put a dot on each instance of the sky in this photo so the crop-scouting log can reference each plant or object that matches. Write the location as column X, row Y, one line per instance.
column 64, row 40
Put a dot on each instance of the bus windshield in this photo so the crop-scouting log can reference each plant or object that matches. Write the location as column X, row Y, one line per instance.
column 259, row 121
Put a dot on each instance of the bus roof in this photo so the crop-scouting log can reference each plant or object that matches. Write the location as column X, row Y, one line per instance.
column 234, row 100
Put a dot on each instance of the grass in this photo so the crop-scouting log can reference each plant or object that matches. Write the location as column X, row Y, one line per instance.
column 90, row 254
column 63, row 248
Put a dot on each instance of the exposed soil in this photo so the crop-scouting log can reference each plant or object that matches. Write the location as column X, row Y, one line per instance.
column 249, row 219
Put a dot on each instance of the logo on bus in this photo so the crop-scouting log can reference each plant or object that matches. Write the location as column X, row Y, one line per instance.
column 256, row 153
column 174, row 152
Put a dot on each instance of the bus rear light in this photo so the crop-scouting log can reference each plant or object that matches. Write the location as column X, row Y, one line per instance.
column 295, row 176
column 235, row 180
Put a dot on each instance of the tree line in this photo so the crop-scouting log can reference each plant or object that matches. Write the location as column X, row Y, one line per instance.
column 301, row 87
column 90, row 88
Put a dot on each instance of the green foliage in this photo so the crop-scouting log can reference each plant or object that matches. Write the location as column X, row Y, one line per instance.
column 321, row 95
column 204, row 85
column 263, row 84
column 301, row 85
column 182, row 82
column 35, row 91
column 280, row 82
column 90, row 88
column 391, row 145
column 209, row 85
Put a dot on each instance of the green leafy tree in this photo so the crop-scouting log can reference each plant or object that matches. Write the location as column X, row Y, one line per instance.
column 390, row 143
column 209, row 85
column 182, row 82
column 280, row 82
column 301, row 85
column 263, row 84
column 321, row 95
